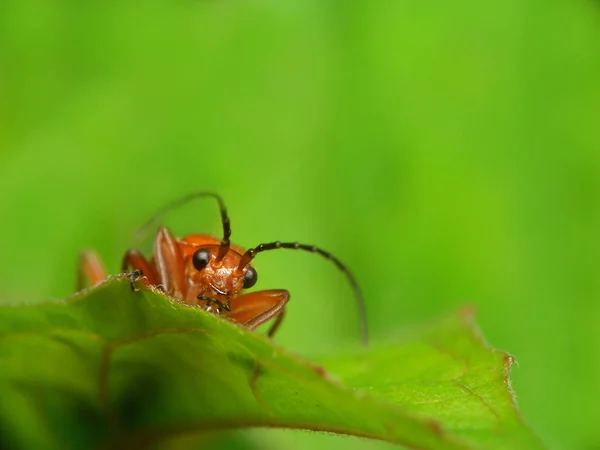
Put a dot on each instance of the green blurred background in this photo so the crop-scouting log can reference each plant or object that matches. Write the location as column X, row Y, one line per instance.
column 448, row 152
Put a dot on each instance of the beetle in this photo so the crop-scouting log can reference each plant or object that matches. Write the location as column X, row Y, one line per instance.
column 211, row 273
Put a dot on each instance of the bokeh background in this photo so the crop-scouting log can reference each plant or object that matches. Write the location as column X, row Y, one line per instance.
column 449, row 152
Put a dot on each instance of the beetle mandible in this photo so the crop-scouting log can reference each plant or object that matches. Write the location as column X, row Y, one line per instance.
column 211, row 273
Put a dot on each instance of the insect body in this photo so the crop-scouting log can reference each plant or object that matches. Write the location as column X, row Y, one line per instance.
column 211, row 273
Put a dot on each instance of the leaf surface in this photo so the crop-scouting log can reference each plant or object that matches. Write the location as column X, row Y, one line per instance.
column 110, row 367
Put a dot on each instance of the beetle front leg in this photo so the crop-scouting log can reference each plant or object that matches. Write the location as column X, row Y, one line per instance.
column 277, row 322
column 256, row 308
column 141, row 267
column 91, row 270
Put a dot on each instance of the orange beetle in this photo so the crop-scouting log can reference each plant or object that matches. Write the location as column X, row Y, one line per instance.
column 211, row 273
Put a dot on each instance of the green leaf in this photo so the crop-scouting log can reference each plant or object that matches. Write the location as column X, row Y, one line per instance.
column 112, row 367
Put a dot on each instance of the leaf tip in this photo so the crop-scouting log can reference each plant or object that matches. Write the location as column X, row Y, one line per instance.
column 509, row 360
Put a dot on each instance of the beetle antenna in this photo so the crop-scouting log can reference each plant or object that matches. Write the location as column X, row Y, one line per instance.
column 251, row 253
column 225, row 242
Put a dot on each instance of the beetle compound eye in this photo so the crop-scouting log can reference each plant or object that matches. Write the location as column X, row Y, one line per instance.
column 250, row 278
column 201, row 258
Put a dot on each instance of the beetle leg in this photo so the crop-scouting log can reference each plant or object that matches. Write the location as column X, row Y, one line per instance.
column 141, row 267
column 277, row 322
column 256, row 308
column 133, row 277
column 91, row 270
column 169, row 264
